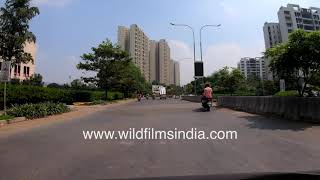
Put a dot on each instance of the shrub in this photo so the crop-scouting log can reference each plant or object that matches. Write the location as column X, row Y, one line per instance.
column 31, row 111
column 22, row 94
column 287, row 93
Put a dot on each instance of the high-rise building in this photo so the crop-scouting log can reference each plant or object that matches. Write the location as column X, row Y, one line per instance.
column 253, row 67
column 164, row 60
column 294, row 17
column 272, row 35
column 171, row 72
column 136, row 42
column 174, row 70
column 152, row 57
column 154, row 60
column 123, row 38
column 176, row 73
column 290, row 18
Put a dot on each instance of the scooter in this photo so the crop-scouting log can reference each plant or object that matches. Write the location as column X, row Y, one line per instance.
column 206, row 103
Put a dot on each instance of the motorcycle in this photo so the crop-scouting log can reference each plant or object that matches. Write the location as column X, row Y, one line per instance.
column 206, row 103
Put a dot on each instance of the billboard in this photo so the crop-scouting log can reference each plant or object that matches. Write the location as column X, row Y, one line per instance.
column 198, row 69
column 5, row 71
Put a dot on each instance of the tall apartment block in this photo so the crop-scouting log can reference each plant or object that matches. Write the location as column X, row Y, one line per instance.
column 294, row 17
column 272, row 34
column 290, row 18
column 152, row 57
column 164, row 60
column 23, row 71
column 174, row 73
column 136, row 42
column 154, row 61
column 253, row 67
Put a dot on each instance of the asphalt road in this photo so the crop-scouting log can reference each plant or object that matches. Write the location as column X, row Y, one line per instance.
column 59, row 151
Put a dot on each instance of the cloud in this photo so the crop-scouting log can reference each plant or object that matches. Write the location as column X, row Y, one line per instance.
column 179, row 52
column 215, row 56
column 54, row 3
column 228, row 9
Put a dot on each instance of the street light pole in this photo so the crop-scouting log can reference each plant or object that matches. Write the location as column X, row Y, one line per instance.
column 194, row 49
column 207, row 25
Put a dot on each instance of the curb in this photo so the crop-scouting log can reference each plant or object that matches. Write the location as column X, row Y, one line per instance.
column 12, row 121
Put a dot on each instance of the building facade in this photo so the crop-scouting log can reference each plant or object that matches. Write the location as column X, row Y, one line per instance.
column 136, row 42
column 272, row 34
column 253, row 67
column 154, row 61
column 176, row 73
column 23, row 71
column 290, row 18
column 294, row 17
column 164, row 60
column 174, row 70
column 152, row 57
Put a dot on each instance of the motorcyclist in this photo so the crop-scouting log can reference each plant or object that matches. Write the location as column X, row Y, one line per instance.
column 207, row 96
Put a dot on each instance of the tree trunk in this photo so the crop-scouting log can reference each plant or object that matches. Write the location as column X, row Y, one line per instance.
column 106, row 91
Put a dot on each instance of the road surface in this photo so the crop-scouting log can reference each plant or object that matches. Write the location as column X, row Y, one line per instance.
column 59, row 151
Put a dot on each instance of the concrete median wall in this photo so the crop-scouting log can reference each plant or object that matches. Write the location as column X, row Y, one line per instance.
column 191, row 98
column 294, row 108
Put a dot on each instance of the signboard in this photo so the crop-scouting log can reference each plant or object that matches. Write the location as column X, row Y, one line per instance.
column 5, row 71
column 198, row 69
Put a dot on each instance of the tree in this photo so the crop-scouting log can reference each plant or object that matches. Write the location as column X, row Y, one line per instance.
column 54, row 85
column 14, row 30
column 114, row 68
column 35, row 80
column 297, row 59
column 77, row 84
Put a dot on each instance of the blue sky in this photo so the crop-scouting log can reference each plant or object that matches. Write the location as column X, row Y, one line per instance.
column 66, row 29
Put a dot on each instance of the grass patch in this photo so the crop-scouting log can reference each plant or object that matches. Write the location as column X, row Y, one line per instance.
column 5, row 117
column 32, row 111
column 98, row 102
column 292, row 93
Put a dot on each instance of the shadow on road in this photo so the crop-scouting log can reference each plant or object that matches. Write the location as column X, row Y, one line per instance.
column 273, row 123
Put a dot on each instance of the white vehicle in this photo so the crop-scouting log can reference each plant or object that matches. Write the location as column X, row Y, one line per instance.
column 163, row 93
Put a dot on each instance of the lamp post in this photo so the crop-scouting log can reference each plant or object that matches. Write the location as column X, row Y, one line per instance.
column 207, row 25
column 194, row 49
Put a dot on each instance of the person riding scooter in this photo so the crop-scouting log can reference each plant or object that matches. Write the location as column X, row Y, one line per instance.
column 206, row 97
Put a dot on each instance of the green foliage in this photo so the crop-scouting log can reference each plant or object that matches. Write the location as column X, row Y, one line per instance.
column 114, row 68
column 35, row 80
column 291, row 93
column 14, row 30
column 297, row 59
column 31, row 111
column 5, row 117
column 174, row 90
column 226, row 80
column 21, row 94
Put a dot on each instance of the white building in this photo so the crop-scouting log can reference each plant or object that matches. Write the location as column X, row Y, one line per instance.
column 272, row 34
column 290, row 18
column 253, row 67
column 294, row 17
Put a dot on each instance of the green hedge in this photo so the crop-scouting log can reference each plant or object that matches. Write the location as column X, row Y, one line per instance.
column 22, row 94
column 31, row 111
column 291, row 93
